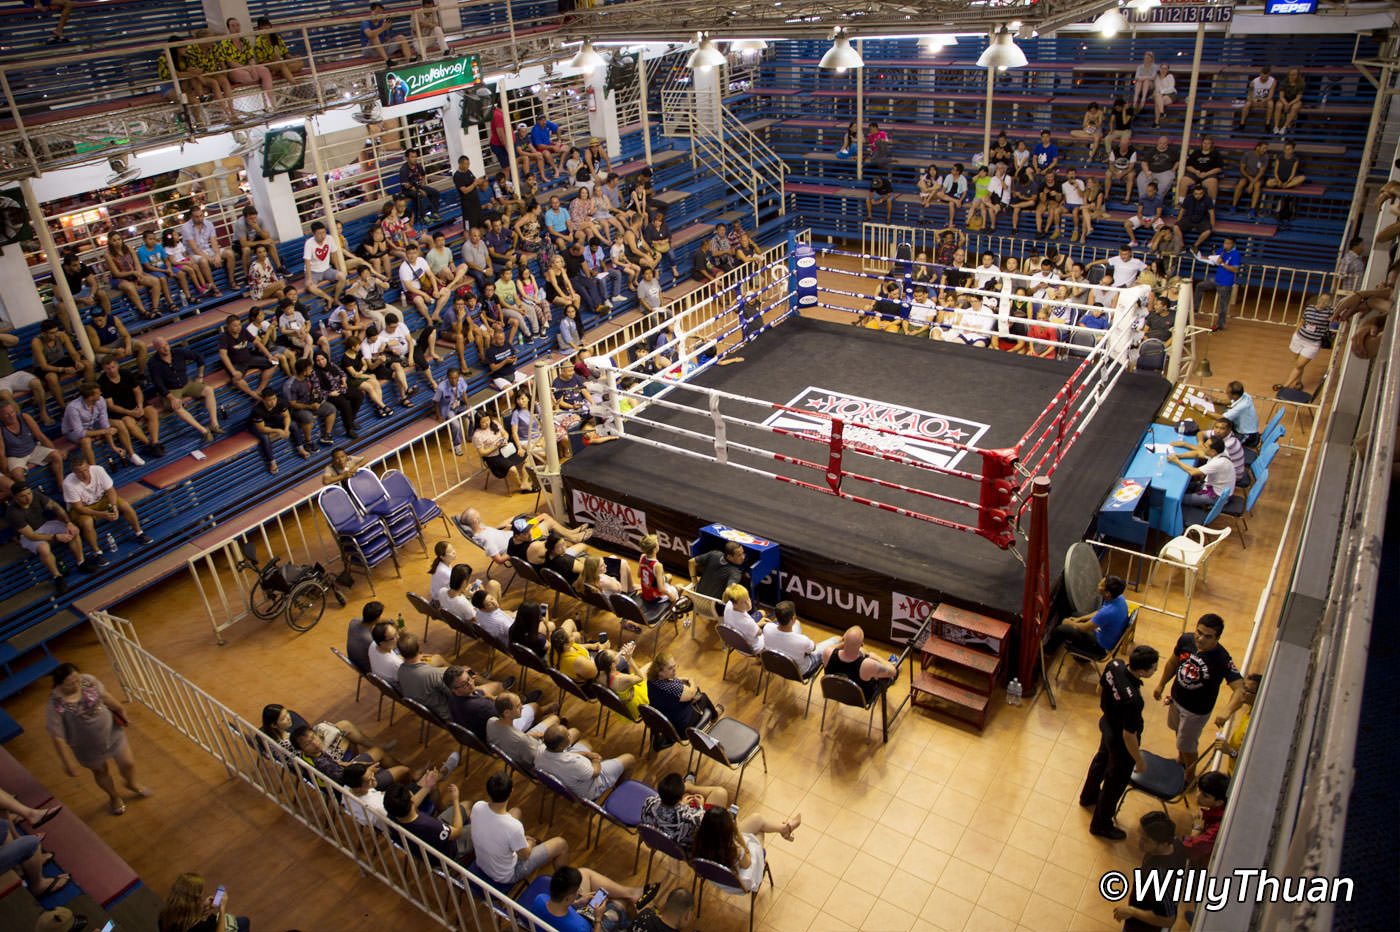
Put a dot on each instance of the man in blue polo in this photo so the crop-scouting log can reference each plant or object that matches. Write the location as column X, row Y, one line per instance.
column 1227, row 265
column 1097, row 633
column 556, row 221
column 1241, row 413
column 542, row 138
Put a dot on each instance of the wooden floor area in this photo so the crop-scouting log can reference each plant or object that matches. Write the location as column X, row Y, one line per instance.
column 941, row 829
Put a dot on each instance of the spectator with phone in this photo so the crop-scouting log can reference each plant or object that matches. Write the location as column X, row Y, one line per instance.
column 187, row 909
column 577, row 895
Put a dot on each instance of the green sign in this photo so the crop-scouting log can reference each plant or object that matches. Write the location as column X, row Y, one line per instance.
column 415, row 81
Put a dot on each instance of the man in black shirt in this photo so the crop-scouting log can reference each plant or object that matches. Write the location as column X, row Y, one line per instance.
column 83, row 283
column 127, row 402
column 1159, row 165
column 888, row 307
column 25, row 514
column 714, row 571
column 676, row 915
column 467, row 184
column 1120, row 730
column 413, row 184
column 243, row 354
column 169, row 373
column 1204, row 167
column 1148, row 910
column 1196, row 668
column 500, row 362
column 270, row 420
column 880, row 193
column 1195, row 219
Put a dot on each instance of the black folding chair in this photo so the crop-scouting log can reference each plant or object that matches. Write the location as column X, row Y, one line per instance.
column 784, row 667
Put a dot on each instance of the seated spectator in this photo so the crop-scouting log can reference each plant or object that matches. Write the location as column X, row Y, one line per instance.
column 571, row 657
column 1287, row 169
column 1073, row 190
column 600, row 266
column 849, row 659
column 331, row 759
column 881, row 195
column 497, row 451
column 455, row 597
column 358, row 637
column 1223, row 430
column 308, row 405
column 494, row 620
column 243, row 354
column 85, row 420
column 413, row 185
column 420, row 675
column 1204, row 167
column 1159, row 165
column 56, row 358
column 1122, row 163
column 740, row 616
column 679, row 805
column 449, row 835
column 504, row 853
column 714, row 571
column 419, row 284
column 493, row 541
column 379, row 360
column 1289, row 103
column 522, row 315
column 1212, row 792
column 657, row 235
column 570, row 890
column 25, row 514
column 279, row 723
column 1126, row 267
column 262, row 280
column 953, row 193
column 655, row 585
column 595, row 576
column 1144, row 78
column 1210, row 481
column 1148, row 214
column 1260, row 94
column 271, row 420
column 1120, row 121
column 1147, row 908
column 584, row 772
column 739, row 846
column 1163, row 93
column 90, row 496
column 107, row 335
column 191, row 908
column 1254, row 171
column 25, row 855
column 1195, row 219
column 678, row 698
column 1049, row 207
column 1240, row 412
column 784, row 635
column 25, row 446
column 1098, row 632
column 129, row 276
column 365, row 799
column 384, row 658
column 169, row 373
column 677, row 914
column 366, row 305
column 501, row 362
column 517, row 728
column 471, row 700
column 429, row 30
column 201, row 238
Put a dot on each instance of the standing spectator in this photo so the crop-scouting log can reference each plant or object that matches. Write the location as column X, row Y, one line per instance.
column 451, row 400
column 85, row 420
column 188, row 909
column 26, row 515
column 1164, row 92
column 169, row 373
column 467, row 185
column 1260, row 93
column 1091, row 128
column 1120, row 736
column 1144, row 81
column 499, row 138
column 1204, row 166
column 90, row 497
column 202, row 241
column 1350, row 268
column 323, row 263
column 1254, row 166
column 89, row 726
column 270, row 420
column 1290, row 101
column 1195, row 219
column 248, row 234
column 126, row 401
column 1122, row 163
column 1227, row 261
column 1159, row 165
column 1073, row 190
column 413, row 184
column 379, row 31
column 1149, row 214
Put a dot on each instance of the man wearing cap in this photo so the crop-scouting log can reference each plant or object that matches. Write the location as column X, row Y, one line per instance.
column 25, row 514
column 529, row 532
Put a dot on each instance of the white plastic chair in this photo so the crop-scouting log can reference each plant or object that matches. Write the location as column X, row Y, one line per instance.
column 1193, row 549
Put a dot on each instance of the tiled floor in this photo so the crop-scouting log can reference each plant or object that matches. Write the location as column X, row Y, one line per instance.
column 942, row 828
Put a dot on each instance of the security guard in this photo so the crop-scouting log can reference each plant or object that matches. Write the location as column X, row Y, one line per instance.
column 1120, row 731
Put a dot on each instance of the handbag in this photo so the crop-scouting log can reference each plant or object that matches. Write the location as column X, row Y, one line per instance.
column 507, row 451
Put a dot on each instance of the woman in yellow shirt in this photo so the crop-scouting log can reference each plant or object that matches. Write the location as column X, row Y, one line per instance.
column 269, row 49
column 236, row 55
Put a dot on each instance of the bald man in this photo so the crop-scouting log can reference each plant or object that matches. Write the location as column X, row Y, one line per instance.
column 849, row 659
column 170, row 378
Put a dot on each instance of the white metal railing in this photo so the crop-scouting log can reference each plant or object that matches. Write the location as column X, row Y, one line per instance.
column 439, row 886
column 734, row 153
column 1271, row 294
column 298, row 532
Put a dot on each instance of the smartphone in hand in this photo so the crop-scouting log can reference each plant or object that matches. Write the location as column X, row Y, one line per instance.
column 219, row 897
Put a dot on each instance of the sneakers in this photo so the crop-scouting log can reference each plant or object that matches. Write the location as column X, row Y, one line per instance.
column 450, row 764
column 145, row 538
column 136, row 459
column 457, row 449
column 326, row 442
column 99, row 559
column 155, row 449
column 60, row 585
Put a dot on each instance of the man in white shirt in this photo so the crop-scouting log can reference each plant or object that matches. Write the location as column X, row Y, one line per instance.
column 504, row 853
column 1216, row 476
column 584, row 772
column 784, row 635
column 384, row 659
column 922, row 313
column 381, row 362
column 492, row 540
column 202, row 242
column 491, row 617
column 984, row 274
column 975, row 323
column 1126, row 267
column 323, row 263
column 90, row 497
column 420, row 285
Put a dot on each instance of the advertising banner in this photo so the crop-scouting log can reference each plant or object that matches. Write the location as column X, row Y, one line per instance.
column 415, row 81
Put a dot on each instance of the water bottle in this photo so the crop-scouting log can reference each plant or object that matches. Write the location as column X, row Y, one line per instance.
column 399, row 622
column 1013, row 692
column 110, row 542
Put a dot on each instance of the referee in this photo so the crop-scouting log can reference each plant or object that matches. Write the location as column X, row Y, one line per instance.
column 1120, row 731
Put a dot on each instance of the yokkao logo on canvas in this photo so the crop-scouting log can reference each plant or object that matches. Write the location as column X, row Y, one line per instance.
column 612, row 521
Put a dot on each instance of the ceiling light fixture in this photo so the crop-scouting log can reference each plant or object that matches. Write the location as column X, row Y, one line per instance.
column 1002, row 53
column 587, row 60
column 748, row 46
column 937, row 41
column 1143, row 6
column 841, row 56
column 705, row 55
column 1111, row 22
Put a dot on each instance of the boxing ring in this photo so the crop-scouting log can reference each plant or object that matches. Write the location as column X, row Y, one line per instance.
column 895, row 471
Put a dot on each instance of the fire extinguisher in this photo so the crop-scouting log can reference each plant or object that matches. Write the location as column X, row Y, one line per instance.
column 592, row 100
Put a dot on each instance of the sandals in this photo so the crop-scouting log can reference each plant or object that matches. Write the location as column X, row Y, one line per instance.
column 53, row 886
column 48, row 814
column 117, row 808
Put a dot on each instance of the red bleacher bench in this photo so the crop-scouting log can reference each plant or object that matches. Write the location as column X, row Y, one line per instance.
column 186, row 466
column 694, row 231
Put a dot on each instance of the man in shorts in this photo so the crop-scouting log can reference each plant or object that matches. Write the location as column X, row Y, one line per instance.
column 242, row 355
column 504, row 853
column 90, row 497
column 1196, row 668
column 14, row 380
column 83, row 284
column 26, row 515
column 1149, row 214
column 324, row 263
column 169, row 373
column 25, row 446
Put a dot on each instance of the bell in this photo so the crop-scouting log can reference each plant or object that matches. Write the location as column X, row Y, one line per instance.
column 1202, row 370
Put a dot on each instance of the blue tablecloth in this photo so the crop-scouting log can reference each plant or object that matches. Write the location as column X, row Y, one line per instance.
column 1166, row 481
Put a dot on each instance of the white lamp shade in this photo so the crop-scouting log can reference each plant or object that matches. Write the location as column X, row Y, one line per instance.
column 940, row 41
column 748, row 46
column 841, row 56
column 705, row 56
column 587, row 59
column 1003, row 53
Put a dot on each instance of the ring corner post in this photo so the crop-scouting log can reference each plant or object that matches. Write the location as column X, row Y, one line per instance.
column 551, row 437
column 1035, row 604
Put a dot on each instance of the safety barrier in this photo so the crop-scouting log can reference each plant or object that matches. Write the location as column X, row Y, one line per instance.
column 442, row 888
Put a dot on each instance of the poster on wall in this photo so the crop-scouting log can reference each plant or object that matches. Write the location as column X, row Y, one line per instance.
column 612, row 521
column 415, row 81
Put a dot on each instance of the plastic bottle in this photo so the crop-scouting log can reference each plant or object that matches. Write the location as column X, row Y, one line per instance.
column 1013, row 692
column 399, row 622
column 110, row 542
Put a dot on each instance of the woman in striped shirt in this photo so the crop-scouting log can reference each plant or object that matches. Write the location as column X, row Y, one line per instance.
column 1308, row 339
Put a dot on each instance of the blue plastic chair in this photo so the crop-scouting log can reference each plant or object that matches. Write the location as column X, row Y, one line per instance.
column 401, row 490
column 399, row 518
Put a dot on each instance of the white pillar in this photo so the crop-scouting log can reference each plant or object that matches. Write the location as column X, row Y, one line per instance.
column 707, row 97
column 460, row 141
column 273, row 197
column 20, row 303
column 451, row 18
column 217, row 12
column 602, row 112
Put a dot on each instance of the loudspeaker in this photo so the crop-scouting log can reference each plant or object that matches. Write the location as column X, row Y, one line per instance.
column 622, row 71
column 478, row 105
